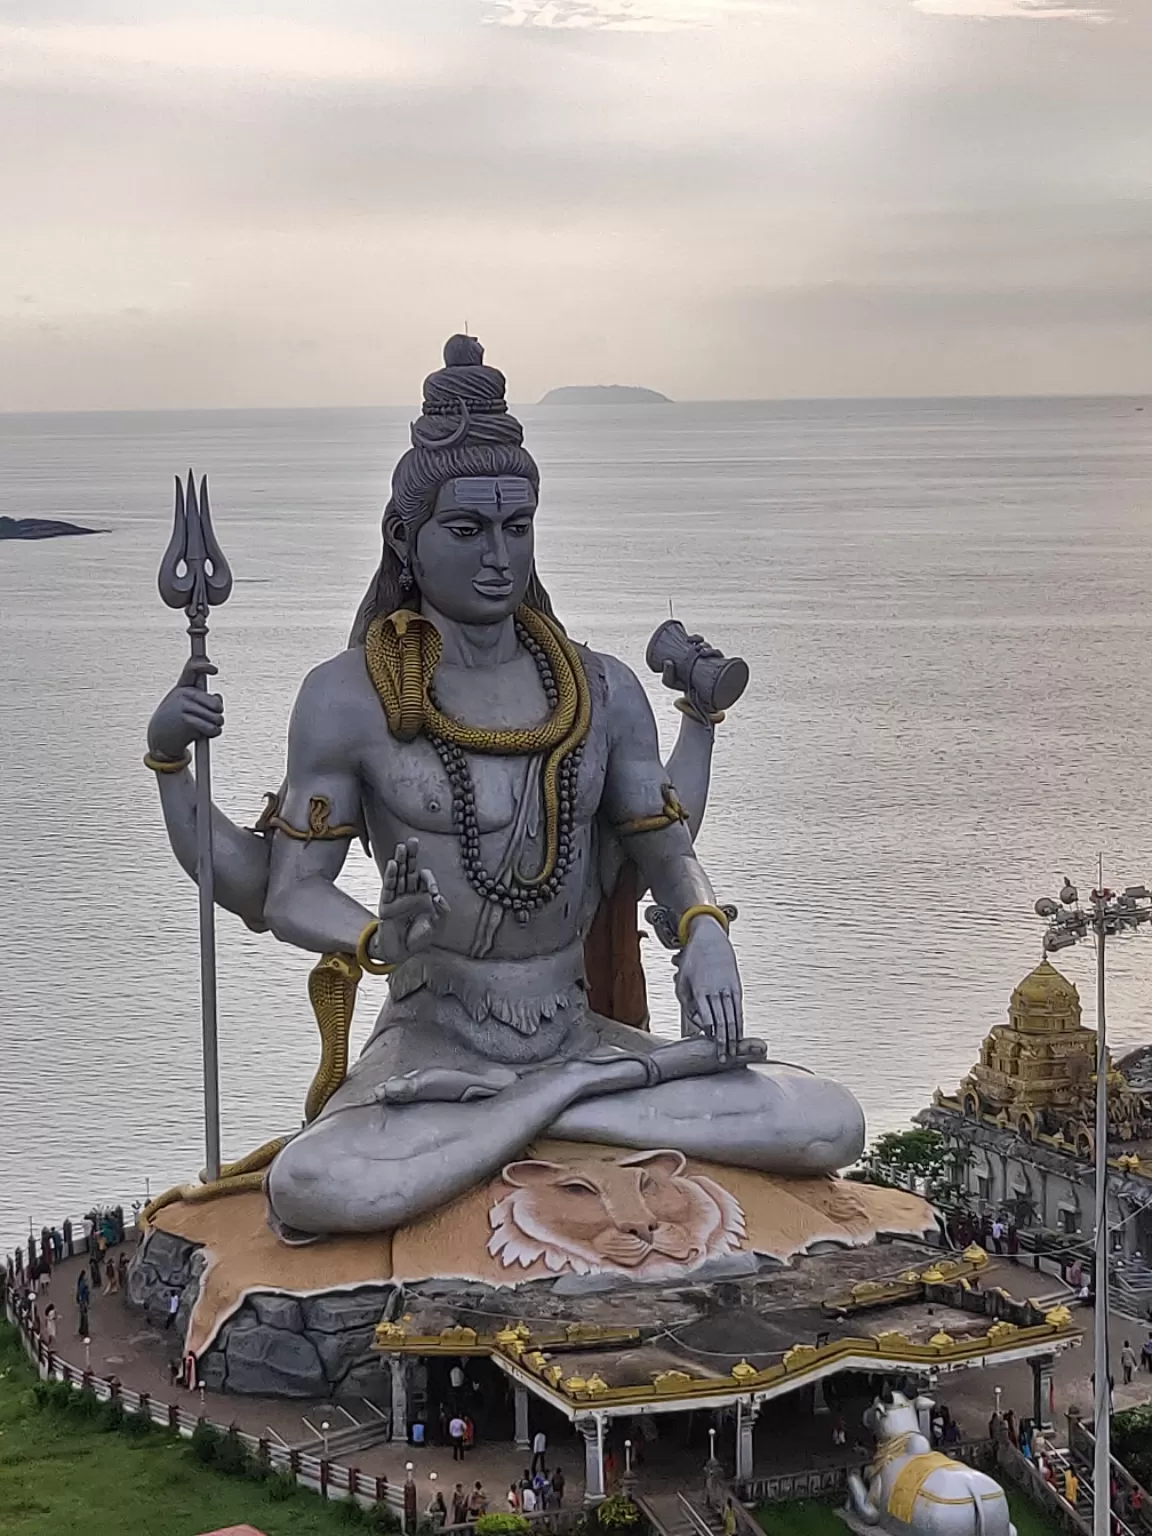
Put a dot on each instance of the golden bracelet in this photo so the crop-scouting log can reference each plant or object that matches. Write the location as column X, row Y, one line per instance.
column 686, row 707
column 704, row 910
column 373, row 967
column 160, row 765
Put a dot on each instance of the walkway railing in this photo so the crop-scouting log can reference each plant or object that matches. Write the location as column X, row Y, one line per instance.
column 330, row 1479
column 820, row 1482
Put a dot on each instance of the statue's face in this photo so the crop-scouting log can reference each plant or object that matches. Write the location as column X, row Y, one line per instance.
column 472, row 559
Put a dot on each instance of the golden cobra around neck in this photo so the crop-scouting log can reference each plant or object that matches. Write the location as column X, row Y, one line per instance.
column 402, row 650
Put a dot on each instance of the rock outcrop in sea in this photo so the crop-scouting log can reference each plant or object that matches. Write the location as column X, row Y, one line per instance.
column 39, row 528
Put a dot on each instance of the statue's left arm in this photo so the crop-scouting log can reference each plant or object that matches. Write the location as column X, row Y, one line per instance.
column 641, row 806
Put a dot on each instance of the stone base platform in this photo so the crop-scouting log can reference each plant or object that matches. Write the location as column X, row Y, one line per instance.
column 592, row 1232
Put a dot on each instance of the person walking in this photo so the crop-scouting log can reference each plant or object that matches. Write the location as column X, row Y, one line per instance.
column 50, row 1326
column 998, row 1235
column 1071, row 1486
column 459, row 1505
column 1127, row 1361
column 456, row 1436
column 1146, row 1353
column 122, row 1270
column 469, row 1433
column 173, row 1308
column 539, row 1451
column 477, row 1502
column 558, row 1482
column 83, row 1292
column 729, row 1518
column 512, row 1498
column 82, row 1318
column 528, row 1500
column 111, row 1279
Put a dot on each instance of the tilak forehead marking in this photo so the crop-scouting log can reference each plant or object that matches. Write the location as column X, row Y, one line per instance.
column 485, row 492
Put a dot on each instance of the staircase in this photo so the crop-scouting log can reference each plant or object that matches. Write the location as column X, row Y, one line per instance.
column 676, row 1514
column 1132, row 1282
column 1084, row 1494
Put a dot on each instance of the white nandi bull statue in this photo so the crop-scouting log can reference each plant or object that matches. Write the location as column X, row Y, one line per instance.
column 916, row 1491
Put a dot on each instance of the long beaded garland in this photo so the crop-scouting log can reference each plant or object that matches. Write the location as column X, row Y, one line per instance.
column 517, row 892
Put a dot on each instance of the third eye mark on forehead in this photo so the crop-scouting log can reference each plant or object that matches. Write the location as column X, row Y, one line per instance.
column 487, row 494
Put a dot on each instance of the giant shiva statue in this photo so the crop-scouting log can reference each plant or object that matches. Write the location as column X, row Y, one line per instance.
column 509, row 783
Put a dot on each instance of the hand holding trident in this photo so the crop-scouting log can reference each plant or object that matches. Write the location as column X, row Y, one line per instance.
column 195, row 576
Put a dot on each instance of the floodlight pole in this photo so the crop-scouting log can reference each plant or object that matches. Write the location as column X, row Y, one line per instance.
column 1106, row 913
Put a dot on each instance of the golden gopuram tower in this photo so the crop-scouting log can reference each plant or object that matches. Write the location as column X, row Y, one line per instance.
column 1037, row 1072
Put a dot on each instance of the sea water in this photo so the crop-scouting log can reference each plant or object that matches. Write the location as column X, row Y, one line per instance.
column 946, row 607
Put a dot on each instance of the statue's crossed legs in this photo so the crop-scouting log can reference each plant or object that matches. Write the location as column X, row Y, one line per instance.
column 384, row 1153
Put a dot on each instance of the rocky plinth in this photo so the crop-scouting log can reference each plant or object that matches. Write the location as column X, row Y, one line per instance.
column 604, row 394
column 39, row 528
column 265, row 1317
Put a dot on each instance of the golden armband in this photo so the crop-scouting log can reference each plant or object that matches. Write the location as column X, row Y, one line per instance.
column 671, row 813
column 318, row 829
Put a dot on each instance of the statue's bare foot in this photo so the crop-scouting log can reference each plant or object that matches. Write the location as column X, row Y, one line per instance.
column 700, row 1055
column 445, row 1085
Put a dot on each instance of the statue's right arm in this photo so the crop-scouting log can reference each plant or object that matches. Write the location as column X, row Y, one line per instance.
column 304, row 906
column 239, row 857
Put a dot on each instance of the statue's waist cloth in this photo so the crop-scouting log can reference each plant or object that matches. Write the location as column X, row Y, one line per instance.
column 449, row 1010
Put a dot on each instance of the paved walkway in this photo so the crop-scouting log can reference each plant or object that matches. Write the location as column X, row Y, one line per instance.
column 124, row 1345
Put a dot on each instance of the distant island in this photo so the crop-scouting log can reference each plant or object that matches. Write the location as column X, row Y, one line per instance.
column 39, row 528
column 604, row 394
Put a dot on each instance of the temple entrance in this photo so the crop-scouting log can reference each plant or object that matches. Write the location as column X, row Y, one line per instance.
column 472, row 1387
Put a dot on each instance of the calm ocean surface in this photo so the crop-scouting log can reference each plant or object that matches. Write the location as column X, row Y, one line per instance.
column 947, row 609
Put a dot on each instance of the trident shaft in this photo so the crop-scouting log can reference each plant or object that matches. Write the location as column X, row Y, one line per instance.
column 194, row 575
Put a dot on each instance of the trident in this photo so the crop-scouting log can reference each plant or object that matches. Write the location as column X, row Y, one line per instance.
column 194, row 575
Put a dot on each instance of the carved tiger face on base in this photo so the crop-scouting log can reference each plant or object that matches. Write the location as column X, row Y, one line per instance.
column 640, row 1215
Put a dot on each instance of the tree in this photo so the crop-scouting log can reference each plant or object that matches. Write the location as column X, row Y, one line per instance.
column 917, row 1159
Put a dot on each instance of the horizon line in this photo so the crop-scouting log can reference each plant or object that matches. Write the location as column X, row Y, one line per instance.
column 176, row 410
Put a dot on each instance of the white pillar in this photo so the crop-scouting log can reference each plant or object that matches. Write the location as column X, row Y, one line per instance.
column 819, row 1401
column 745, row 1430
column 593, row 1432
column 523, row 1439
column 399, row 1397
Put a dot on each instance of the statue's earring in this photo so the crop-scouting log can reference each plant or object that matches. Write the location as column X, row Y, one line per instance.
column 406, row 581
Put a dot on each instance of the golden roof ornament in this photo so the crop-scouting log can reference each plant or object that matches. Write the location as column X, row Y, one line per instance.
column 798, row 1355
column 671, row 1381
column 465, row 1337
column 742, row 1371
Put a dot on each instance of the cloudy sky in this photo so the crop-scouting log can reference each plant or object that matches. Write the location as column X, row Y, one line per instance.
column 229, row 202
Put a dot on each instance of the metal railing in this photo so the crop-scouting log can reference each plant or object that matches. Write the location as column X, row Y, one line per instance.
column 330, row 1479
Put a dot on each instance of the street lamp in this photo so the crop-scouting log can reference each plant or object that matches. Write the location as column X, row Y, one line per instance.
column 1107, row 915
column 324, row 1427
column 88, row 1355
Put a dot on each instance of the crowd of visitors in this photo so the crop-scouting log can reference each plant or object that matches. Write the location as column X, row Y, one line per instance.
column 28, row 1271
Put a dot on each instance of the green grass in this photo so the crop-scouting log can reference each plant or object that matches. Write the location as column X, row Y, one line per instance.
column 809, row 1517
column 801, row 1517
column 62, row 1473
